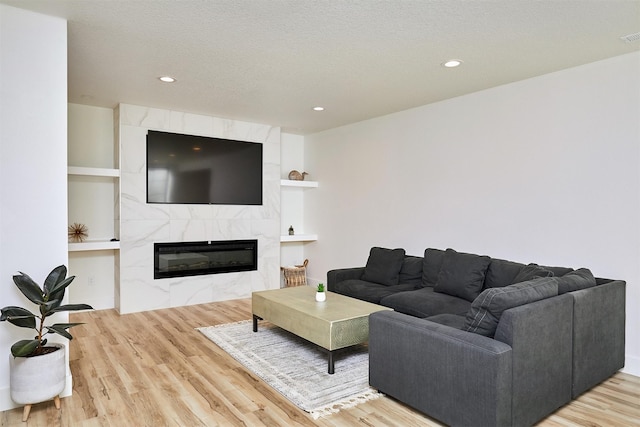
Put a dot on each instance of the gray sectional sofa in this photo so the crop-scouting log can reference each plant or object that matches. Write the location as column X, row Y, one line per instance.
column 480, row 341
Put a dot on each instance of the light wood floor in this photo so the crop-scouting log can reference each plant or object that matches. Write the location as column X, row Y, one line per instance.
column 154, row 369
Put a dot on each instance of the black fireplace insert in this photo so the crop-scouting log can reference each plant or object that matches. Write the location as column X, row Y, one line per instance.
column 180, row 259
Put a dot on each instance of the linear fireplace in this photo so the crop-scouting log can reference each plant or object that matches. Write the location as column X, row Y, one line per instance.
column 207, row 257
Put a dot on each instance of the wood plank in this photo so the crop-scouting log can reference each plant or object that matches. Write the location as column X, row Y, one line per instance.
column 155, row 368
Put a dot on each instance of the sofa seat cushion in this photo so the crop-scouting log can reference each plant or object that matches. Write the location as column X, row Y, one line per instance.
column 425, row 302
column 368, row 291
column 485, row 311
column 383, row 266
column 461, row 274
column 454, row 320
column 581, row 278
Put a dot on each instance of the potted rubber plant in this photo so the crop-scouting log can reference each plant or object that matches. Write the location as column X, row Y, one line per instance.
column 37, row 369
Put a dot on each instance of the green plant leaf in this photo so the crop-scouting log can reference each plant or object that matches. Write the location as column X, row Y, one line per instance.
column 58, row 290
column 61, row 329
column 19, row 316
column 71, row 307
column 24, row 347
column 56, row 276
column 47, row 309
column 29, row 288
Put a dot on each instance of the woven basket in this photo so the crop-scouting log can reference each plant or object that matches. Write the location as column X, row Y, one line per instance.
column 295, row 276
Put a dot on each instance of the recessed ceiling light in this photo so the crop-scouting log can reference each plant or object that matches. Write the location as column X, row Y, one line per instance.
column 452, row 63
column 318, row 108
column 167, row 79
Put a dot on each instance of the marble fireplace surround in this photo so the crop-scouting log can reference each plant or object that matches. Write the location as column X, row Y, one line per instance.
column 141, row 224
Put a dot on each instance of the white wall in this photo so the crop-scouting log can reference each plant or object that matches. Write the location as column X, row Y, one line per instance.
column 544, row 170
column 33, row 161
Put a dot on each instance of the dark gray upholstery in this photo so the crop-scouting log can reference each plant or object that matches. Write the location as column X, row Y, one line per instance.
column 557, row 271
column 543, row 353
column 501, row 273
column 431, row 266
column 457, row 377
column 454, row 320
column 411, row 271
column 425, row 302
column 598, row 334
column 531, row 271
column 383, row 266
column 340, row 274
column 485, row 312
column 367, row 291
column 539, row 335
column 461, row 274
column 465, row 379
column 581, row 278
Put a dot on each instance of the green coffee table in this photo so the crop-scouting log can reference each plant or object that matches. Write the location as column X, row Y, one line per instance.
column 336, row 323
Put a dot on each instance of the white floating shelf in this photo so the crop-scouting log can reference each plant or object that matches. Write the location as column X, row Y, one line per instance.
column 78, row 170
column 299, row 238
column 291, row 183
column 96, row 245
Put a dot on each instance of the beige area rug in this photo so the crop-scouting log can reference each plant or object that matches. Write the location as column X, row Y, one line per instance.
column 296, row 368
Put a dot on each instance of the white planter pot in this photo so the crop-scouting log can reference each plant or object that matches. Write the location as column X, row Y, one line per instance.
column 37, row 379
column 321, row 296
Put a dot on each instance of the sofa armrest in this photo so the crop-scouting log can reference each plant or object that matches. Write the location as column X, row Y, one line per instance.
column 598, row 333
column 341, row 274
column 539, row 334
column 457, row 377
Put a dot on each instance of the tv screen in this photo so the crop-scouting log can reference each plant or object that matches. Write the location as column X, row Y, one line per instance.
column 188, row 169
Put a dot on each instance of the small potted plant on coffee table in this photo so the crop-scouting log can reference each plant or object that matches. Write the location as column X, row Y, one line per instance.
column 321, row 295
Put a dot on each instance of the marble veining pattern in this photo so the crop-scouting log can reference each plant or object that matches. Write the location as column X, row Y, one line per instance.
column 142, row 224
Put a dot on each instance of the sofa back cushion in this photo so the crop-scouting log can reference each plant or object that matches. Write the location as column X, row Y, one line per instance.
column 411, row 271
column 558, row 271
column 501, row 273
column 383, row 266
column 484, row 314
column 431, row 266
column 576, row 280
column 530, row 272
column 461, row 274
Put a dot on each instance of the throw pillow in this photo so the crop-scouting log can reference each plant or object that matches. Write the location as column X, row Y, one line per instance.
column 581, row 278
column 486, row 310
column 461, row 274
column 383, row 266
column 531, row 271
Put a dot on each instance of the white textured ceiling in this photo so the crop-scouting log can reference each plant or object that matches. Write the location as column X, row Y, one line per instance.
column 271, row 61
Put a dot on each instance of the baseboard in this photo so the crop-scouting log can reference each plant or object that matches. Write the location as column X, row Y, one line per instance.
column 632, row 365
column 7, row 404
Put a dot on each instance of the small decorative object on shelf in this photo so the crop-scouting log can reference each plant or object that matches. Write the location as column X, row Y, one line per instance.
column 294, row 175
column 77, row 232
column 291, row 232
column 321, row 295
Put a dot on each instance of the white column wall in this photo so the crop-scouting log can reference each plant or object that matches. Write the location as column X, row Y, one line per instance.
column 33, row 162
column 142, row 224
column 543, row 170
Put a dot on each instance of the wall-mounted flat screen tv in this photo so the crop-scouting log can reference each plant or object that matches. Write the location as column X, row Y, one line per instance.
column 189, row 169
